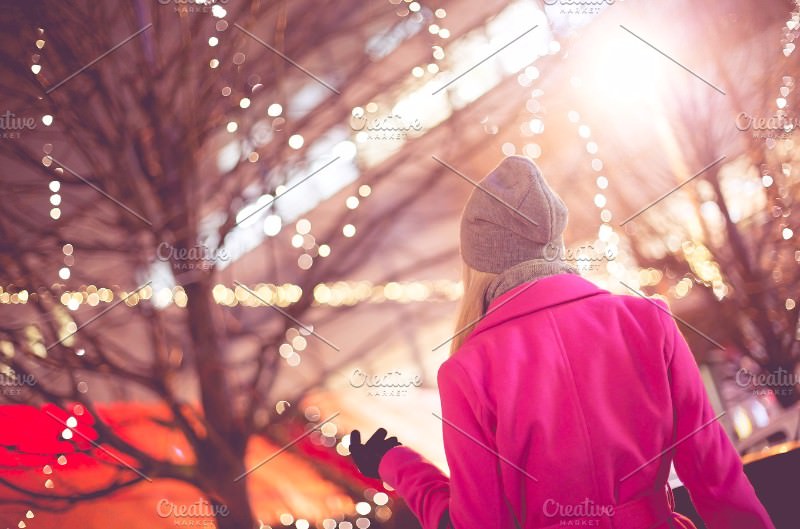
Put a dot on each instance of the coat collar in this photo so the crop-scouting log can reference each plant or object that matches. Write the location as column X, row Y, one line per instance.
column 537, row 295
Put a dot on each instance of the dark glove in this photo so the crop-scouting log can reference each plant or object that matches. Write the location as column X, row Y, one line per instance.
column 368, row 456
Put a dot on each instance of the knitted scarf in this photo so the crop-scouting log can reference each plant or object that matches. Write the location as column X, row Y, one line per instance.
column 523, row 273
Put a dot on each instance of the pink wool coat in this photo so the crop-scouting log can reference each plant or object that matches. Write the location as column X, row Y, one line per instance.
column 564, row 408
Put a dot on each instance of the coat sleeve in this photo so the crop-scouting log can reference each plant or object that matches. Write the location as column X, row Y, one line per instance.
column 705, row 458
column 472, row 496
column 420, row 483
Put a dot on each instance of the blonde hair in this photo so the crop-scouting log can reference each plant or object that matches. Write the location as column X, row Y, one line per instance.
column 471, row 308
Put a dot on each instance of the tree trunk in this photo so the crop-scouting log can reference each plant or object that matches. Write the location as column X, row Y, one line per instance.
column 220, row 471
column 232, row 504
column 221, row 456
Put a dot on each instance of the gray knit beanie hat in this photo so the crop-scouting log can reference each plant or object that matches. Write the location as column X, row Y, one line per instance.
column 514, row 217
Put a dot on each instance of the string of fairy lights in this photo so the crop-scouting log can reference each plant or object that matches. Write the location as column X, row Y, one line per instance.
column 436, row 28
column 790, row 31
column 605, row 233
column 22, row 296
column 350, row 293
column 303, row 239
column 339, row 293
column 609, row 242
column 332, row 294
column 54, row 186
column 707, row 271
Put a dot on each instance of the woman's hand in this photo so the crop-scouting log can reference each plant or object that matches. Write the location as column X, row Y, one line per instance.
column 368, row 456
